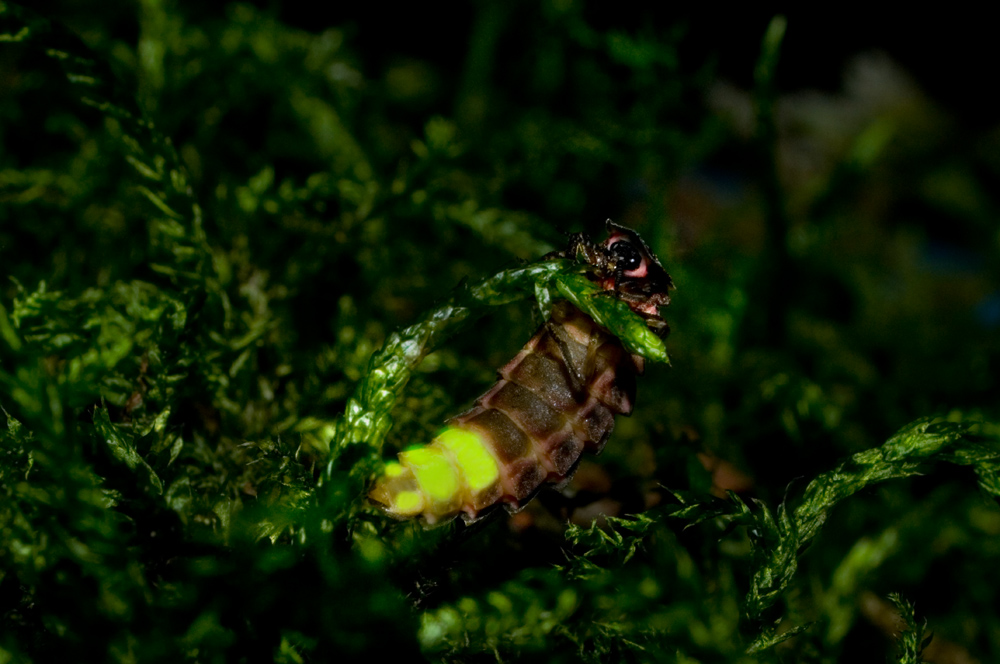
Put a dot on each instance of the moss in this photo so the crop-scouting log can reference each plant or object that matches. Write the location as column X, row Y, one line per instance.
column 244, row 260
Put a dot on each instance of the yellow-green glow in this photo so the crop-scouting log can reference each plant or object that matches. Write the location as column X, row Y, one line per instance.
column 394, row 469
column 408, row 503
column 474, row 461
column 434, row 473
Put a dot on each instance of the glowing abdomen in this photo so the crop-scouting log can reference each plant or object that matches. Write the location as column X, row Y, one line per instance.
column 555, row 399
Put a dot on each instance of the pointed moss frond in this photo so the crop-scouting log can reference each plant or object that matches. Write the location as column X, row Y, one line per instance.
column 914, row 637
column 779, row 539
column 606, row 546
column 177, row 226
column 613, row 314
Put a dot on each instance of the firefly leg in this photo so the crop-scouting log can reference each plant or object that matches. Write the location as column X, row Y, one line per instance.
column 577, row 242
column 581, row 244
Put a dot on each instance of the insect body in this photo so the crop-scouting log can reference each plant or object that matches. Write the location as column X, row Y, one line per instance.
column 554, row 400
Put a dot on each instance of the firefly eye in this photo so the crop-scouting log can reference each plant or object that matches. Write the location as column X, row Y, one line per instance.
column 628, row 256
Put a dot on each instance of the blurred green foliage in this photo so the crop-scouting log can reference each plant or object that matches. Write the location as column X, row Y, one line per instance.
column 212, row 220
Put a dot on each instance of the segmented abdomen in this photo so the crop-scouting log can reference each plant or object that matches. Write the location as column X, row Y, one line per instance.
column 555, row 399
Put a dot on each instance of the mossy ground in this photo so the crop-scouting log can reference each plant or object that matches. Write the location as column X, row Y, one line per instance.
column 212, row 220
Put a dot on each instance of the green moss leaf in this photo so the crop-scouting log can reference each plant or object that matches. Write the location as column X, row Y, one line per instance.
column 613, row 314
column 121, row 448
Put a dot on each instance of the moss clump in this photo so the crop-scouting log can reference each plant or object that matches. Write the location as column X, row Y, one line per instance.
column 230, row 249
